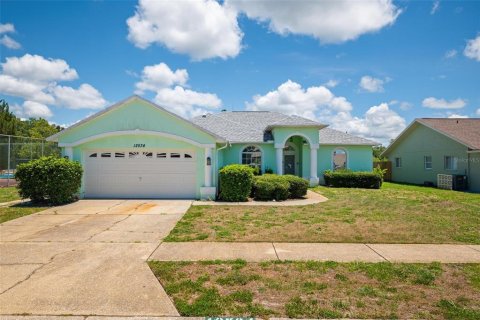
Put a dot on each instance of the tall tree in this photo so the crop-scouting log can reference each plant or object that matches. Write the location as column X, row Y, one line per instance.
column 8, row 121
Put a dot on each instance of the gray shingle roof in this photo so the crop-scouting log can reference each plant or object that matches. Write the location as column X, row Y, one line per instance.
column 332, row 136
column 254, row 126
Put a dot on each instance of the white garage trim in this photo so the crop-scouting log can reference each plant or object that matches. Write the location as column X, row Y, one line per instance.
column 135, row 132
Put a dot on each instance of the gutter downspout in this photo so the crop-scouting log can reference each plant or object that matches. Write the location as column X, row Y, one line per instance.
column 215, row 171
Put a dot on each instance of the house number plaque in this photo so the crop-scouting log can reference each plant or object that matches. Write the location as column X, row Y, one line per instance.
column 139, row 145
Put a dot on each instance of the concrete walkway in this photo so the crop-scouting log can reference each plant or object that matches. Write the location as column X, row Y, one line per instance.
column 86, row 258
column 341, row 252
column 311, row 198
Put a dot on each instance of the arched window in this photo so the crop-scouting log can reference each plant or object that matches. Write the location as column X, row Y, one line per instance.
column 252, row 156
column 339, row 159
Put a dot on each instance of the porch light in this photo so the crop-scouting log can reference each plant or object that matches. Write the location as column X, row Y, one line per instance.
column 209, row 161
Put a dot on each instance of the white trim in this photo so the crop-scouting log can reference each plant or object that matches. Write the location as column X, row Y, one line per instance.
column 425, row 162
column 347, row 165
column 208, row 168
column 123, row 102
column 296, row 134
column 135, row 132
column 256, row 146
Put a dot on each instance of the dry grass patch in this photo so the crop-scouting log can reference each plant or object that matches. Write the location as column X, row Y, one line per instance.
column 322, row 289
column 394, row 214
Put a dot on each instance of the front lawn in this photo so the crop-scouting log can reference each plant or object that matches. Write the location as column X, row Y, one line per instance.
column 394, row 214
column 19, row 210
column 322, row 289
column 9, row 194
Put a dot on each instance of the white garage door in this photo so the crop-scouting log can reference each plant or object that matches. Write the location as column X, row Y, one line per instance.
column 140, row 174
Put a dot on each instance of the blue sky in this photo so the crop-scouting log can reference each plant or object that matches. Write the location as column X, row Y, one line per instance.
column 368, row 68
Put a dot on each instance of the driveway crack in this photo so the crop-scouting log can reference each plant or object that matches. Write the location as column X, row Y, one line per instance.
column 376, row 252
column 33, row 272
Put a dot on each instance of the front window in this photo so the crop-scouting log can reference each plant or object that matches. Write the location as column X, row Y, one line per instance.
column 428, row 162
column 398, row 162
column 339, row 159
column 252, row 156
column 450, row 163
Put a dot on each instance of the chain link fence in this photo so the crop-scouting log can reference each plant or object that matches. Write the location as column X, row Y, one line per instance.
column 15, row 150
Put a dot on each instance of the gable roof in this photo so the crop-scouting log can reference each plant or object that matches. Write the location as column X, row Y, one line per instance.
column 250, row 126
column 335, row 137
column 463, row 130
column 123, row 102
column 255, row 126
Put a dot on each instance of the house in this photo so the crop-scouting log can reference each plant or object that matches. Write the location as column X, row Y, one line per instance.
column 136, row 149
column 432, row 146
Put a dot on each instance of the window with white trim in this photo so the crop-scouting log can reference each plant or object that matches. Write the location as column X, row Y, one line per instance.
column 252, row 156
column 161, row 155
column 450, row 163
column 93, row 155
column 174, row 155
column 398, row 162
column 339, row 159
column 427, row 162
column 106, row 155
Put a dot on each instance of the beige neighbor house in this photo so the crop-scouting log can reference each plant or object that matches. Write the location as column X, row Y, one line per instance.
column 430, row 147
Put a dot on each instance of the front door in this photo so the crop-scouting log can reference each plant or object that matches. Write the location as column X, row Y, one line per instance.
column 289, row 164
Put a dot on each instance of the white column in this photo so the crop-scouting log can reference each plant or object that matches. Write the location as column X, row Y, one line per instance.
column 279, row 158
column 313, row 165
column 208, row 168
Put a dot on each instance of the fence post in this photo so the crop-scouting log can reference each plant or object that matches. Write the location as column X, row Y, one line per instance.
column 8, row 163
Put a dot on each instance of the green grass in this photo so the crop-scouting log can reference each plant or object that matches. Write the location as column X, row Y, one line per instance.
column 18, row 210
column 313, row 289
column 394, row 214
column 9, row 194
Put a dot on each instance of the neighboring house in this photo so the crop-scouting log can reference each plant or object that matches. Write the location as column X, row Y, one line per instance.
column 432, row 146
column 136, row 149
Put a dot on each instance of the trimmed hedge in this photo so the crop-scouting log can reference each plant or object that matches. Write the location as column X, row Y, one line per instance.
column 236, row 182
column 49, row 179
column 271, row 187
column 350, row 179
column 298, row 186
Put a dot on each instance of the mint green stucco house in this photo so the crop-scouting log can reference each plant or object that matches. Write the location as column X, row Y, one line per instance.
column 432, row 146
column 136, row 149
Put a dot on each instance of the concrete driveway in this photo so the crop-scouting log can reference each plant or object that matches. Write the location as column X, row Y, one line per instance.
column 87, row 258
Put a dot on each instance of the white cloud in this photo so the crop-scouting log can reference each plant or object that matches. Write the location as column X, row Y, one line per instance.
column 169, row 87
column 31, row 109
column 319, row 103
column 9, row 42
column 434, row 103
column 435, row 7
column 456, row 115
column 478, row 112
column 36, row 68
column 328, row 21
column 472, row 50
column 35, row 79
column 451, row 54
column 25, row 89
column 185, row 102
column 6, row 28
column 331, row 83
column 160, row 76
column 291, row 98
column 371, row 84
column 85, row 97
column 404, row 105
column 202, row 29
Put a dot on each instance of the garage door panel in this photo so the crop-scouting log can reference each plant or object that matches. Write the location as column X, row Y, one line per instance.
column 140, row 177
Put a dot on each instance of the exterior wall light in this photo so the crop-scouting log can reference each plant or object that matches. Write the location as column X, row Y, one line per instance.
column 209, row 161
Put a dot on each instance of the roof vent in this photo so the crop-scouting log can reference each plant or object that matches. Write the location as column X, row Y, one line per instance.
column 223, row 110
column 204, row 115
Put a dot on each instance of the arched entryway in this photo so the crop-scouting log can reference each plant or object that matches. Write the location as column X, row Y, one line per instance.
column 290, row 157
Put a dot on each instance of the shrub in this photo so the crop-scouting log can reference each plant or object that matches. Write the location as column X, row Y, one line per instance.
column 49, row 179
column 271, row 187
column 350, row 179
column 235, row 182
column 269, row 171
column 298, row 186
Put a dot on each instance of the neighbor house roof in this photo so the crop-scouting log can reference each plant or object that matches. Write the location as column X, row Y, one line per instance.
column 255, row 126
column 464, row 131
column 332, row 136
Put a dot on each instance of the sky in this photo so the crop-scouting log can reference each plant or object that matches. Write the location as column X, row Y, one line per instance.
column 368, row 68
